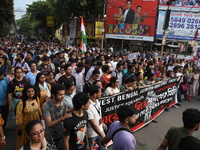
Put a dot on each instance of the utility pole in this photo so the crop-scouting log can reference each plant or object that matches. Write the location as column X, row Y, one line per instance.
column 165, row 26
column 104, row 22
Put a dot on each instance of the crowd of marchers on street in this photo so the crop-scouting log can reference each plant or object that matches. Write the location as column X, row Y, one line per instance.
column 52, row 92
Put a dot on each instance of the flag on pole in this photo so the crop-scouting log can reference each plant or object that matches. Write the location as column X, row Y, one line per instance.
column 83, row 42
column 196, row 35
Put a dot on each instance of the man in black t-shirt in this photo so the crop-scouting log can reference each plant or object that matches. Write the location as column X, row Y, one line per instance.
column 75, row 128
column 68, row 75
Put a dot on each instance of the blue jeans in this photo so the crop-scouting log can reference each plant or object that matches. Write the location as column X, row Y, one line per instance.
column 98, row 140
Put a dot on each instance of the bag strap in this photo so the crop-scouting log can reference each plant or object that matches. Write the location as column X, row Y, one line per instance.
column 23, row 63
column 120, row 129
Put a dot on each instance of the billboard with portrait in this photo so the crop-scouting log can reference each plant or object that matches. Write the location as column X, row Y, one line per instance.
column 182, row 25
column 131, row 20
column 180, row 5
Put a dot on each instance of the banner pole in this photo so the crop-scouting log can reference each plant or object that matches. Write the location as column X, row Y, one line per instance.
column 104, row 20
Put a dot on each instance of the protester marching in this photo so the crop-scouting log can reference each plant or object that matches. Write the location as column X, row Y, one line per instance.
column 64, row 98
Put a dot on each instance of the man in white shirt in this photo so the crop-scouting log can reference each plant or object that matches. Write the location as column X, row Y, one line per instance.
column 79, row 76
column 118, row 73
column 97, row 66
column 96, row 125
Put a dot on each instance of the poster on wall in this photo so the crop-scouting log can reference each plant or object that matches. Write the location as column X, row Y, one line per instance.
column 182, row 25
column 131, row 20
column 180, row 5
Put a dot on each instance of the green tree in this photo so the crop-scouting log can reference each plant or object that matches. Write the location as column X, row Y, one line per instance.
column 27, row 27
column 68, row 9
column 7, row 17
column 38, row 12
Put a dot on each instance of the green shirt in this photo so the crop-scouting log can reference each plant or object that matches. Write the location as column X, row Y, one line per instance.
column 174, row 135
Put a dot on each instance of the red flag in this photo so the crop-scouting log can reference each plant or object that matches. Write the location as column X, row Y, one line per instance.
column 196, row 35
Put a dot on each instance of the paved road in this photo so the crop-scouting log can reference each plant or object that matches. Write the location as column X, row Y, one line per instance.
column 151, row 136
column 148, row 138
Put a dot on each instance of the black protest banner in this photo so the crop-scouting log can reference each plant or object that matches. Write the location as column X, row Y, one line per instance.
column 149, row 102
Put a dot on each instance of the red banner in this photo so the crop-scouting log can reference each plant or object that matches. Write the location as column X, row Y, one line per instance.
column 131, row 20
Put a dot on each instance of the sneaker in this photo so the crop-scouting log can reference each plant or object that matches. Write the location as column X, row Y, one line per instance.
column 178, row 104
column 154, row 121
column 167, row 109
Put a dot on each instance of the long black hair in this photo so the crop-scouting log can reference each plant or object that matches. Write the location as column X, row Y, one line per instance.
column 24, row 94
column 37, row 83
column 112, row 81
column 30, row 125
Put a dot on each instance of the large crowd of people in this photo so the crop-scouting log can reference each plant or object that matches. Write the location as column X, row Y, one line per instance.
column 52, row 89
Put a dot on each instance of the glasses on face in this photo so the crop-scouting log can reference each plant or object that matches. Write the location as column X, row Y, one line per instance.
column 19, row 72
column 38, row 133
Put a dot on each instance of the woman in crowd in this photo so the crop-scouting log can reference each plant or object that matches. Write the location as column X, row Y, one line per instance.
column 125, row 67
column 37, row 140
column 112, row 87
column 184, row 83
column 162, row 77
column 27, row 109
column 151, row 79
column 170, row 74
column 130, row 84
column 193, row 84
column 61, row 73
column 43, row 88
column 95, row 76
column 15, row 88
column 140, row 79
column 50, row 78
column 105, row 79
column 140, row 68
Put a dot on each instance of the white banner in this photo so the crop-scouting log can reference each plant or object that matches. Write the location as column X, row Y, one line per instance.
column 182, row 26
column 130, row 37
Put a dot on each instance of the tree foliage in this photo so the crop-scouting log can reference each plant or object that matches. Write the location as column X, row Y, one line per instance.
column 62, row 10
column 76, row 8
column 6, row 15
column 38, row 12
column 27, row 26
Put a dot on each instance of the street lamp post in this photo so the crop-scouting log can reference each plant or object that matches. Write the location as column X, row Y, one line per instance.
column 104, row 21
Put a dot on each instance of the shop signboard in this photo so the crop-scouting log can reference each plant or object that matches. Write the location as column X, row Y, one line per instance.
column 182, row 25
column 98, row 29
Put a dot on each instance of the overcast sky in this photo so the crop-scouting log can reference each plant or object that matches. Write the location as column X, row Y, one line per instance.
column 20, row 7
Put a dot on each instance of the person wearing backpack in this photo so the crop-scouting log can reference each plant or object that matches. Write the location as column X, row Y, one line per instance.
column 19, row 62
column 119, row 131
